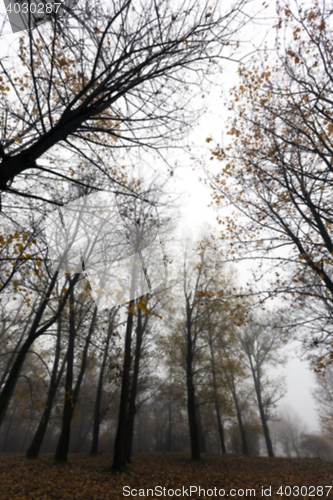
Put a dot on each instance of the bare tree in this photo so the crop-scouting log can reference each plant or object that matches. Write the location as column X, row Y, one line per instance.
column 260, row 341
column 290, row 429
column 100, row 80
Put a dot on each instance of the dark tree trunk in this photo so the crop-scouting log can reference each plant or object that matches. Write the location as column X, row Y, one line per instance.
column 217, row 409
column 63, row 443
column 139, row 434
column 245, row 449
column 84, row 360
column 119, row 455
column 191, row 407
column 232, row 386
column 97, row 416
column 37, row 441
column 170, row 423
column 220, row 428
column 264, row 422
column 134, row 388
column 194, row 437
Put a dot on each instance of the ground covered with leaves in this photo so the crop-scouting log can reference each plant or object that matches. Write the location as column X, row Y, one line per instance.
column 89, row 478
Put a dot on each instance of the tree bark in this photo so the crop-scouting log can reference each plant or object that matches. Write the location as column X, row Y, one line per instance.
column 220, row 428
column 263, row 419
column 97, row 419
column 63, row 443
column 119, row 456
column 191, row 407
column 170, row 419
column 217, row 409
column 84, row 360
column 245, row 450
column 134, row 388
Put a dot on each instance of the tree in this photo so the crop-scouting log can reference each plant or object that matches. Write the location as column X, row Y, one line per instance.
column 102, row 80
column 63, row 444
column 278, row 171
column 197, row 281
column 205, row 287
column 141, row 223
column 220, row 327
column 290, row 429
column 260, row 340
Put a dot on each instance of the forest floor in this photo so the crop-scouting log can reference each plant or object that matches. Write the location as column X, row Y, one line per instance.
column 89, row 478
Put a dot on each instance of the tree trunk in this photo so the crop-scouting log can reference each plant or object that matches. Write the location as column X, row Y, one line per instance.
column 191, row 409
column 84, row 360
column 245, row 450
column 170, row 421
column 139, row 434
column 232, row 386
column 119, row 456
column 63, row 444
column 264, row 421
column 37, row 441
column 217, row 409
column 220, row 428
column 132, row 407
column 97, row 420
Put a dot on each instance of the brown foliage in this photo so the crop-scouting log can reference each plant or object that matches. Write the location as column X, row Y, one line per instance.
column 90, row 478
